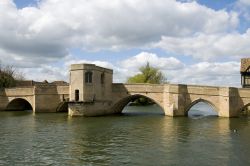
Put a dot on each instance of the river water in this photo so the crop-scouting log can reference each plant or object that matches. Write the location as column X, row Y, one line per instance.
column 141, row 136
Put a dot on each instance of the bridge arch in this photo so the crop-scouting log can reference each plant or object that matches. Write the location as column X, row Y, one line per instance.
column 120, row 104
column 19, row 104
column 245, row 110
column 198, row 101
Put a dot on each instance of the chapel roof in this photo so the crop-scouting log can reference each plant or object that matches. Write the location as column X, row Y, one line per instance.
column 245, row 64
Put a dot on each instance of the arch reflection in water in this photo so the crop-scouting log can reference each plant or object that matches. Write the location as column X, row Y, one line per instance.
column 201, row 109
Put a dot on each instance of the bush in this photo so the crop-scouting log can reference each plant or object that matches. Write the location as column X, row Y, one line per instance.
column 9, row 76
column 148, row 74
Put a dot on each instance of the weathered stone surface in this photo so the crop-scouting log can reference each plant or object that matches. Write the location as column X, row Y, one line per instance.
column 174, row 99
column 102, row 97
column 41, row 98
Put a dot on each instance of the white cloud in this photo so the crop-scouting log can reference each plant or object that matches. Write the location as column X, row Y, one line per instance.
column 54, row 26
column 104, row 64
column 160, row 62
column 243, row 8
column 203, row 73
column 244, row 2
column 46, row 72
column 130, row 66
column 36, row 38
column 206, row 47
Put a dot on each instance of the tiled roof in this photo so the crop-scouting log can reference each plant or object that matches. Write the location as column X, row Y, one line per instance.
column 245, row 64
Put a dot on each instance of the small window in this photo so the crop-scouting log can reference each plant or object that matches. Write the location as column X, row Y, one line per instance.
column 76, row 95
column 88, row 77
column 102, row 78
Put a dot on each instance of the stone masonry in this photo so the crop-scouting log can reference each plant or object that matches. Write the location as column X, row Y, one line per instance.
column 91, row 92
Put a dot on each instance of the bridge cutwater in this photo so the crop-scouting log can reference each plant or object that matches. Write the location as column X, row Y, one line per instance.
column 91, row 92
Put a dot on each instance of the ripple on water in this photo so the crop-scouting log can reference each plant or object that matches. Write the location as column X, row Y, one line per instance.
column 55, row 139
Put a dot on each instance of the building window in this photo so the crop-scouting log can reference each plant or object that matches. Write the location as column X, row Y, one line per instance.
column 88, row 77
column 102, row 78
column 76, row 95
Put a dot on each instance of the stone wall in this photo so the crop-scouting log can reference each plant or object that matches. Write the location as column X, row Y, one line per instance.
column 99, row 98
column 48, row 98
column 177, row 99
column 9, row 94
column 45, row 98
column 122, row 94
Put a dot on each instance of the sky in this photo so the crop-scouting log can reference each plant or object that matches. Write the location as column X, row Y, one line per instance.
column 190, row 41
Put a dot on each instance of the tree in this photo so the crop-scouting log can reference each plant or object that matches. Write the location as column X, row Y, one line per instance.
column 9, row 76
column 148, row 74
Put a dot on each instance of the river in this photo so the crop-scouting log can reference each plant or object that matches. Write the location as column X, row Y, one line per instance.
column 141, row 136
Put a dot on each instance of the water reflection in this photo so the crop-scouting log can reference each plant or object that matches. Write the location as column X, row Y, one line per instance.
column 148, row 139
column 153, row 109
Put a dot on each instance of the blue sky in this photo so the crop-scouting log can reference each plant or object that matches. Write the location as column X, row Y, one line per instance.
column 217, row 4
column 214, row 4
column 24, row 3
column 192, row 42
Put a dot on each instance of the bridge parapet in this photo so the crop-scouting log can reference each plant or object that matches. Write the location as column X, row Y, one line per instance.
column 42, row 98
column 119, row 87
column 52, row 89
column 203, row 90
column 227, row 101
column 176, row 99
column 7, row 95
column 24, row 91
column 244, row 92
column 144, row 88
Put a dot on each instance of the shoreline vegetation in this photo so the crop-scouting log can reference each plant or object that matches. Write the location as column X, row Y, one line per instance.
column 142, row 101
column 9, row 76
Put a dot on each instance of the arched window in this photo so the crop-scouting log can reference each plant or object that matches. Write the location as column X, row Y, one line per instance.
column 102, row 78
column 88, row 77
column 76, row 95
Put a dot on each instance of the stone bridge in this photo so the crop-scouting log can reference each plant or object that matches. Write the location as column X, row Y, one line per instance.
column 174, row 99
column 91, row 92
column 177, row 99
column 37, row 98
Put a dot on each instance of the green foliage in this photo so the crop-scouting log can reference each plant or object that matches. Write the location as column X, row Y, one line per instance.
column 9, row 77
column 138, row 78
column 142, row 101
column 148, row 74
